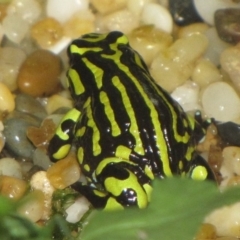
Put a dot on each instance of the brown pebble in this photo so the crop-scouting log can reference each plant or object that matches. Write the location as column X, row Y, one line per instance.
column 38, row 75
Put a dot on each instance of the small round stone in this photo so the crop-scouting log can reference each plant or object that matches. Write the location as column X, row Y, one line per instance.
column 221, row 102
column 47, row 32
column 39, row 74
column 227, row 22
column 6, row 99
column 106, row 6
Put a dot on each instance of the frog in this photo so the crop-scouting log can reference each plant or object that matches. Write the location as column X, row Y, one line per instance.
column 127, row 130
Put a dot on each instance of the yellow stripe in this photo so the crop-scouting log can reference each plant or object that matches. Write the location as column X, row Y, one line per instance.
column 81, row 50
column 109, row 114
column 77, row 83
column 97, row 72
column 130, row 111
column 123, row 152
column 91, row 123
column 80, row 132
column 160, row 140
column 80, row 154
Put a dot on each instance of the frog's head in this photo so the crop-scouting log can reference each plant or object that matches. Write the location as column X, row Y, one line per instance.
column 97, row 43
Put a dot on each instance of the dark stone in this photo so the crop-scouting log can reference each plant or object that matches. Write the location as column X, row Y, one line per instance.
column 183, row 12
column 227, row 22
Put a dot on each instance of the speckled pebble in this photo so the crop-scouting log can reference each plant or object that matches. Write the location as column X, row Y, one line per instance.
column 15, row 133
column 28, row 104
column 39, row 74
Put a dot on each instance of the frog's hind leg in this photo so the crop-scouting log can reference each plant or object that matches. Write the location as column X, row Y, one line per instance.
column 124, row 184
column 200, row 170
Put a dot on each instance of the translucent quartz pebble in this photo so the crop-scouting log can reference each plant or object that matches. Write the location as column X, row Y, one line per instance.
column 148, row 40
column 28, row 10
column 157, row 15
column 10, row 62
column 15, row 28
column 41, row 159
column 12, row 187
column 226, row 220
column 6, row 99
column 183, row 12
column 122, row 20
column 206, row 9
column 227, row 22
column 10, row 167
column 220, row 101
column 187, row 96
column 28, row 104
column 77, row 210
column 215, row 46
column 47, row 32
column 39, row 181
column 106, row 6
column 33, row 206
column 136, row 6
column 64, row 9
column 193, row 28
column 230, row 62
column 174, row 66
column 205, row 72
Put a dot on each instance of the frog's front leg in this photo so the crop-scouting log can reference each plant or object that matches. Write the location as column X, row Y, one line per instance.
column 124, row 183
column 60, row 144
column 200, row 170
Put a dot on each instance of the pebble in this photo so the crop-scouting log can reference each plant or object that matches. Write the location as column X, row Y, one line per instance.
column 47, row 32
column 121, row 20
column 11, row 59
column 205, row 72
column 10, row 167
column 41, row 159
column 15, row 129
column 187, row 96
column 77, row 210
column 157, row 15
column 227, row 22
column 183, row 12
column 57, row 101
column 229, row 133
column 80, row 23
column 39, row 181
column 206, row 11
column 64, row 9
column 3, row 11
column 64, row 172
column 39, row 73
column 215, row 47
column 30, row 105
column 194, row 28
column 106, row 6
column 148, row 40
column 32, row 207
column 174, row 66
column 225, row 108
column 28, row 10
column 230, row 62
column 12, row 187
column 6, row 99
column 206, row 231
column 136, row 6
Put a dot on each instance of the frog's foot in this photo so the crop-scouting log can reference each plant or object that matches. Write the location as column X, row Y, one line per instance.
column 200, row 170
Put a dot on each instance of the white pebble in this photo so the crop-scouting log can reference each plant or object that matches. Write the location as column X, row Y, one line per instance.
column 122, row 20
column 28, row 10
column 206, row 9
column 220, row 101
column 10, row 167
column 136, row 6
column 7, row 102
column 39, row 181
column 15, row 28
column 65, row 9
column 187, row 96
column 60, row 45
column 77, row 210
column 215, row 47
column 157, row 15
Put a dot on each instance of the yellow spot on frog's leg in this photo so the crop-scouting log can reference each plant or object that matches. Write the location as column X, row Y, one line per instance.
column 62, row 151
column 80, row 132
column 76, row 81
column 180, row 165
column 148, row 189
column 112, row 204
column 80, row 155
column 199, row 173
column 123, row 152
column 86, row 167
column 148, row 172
